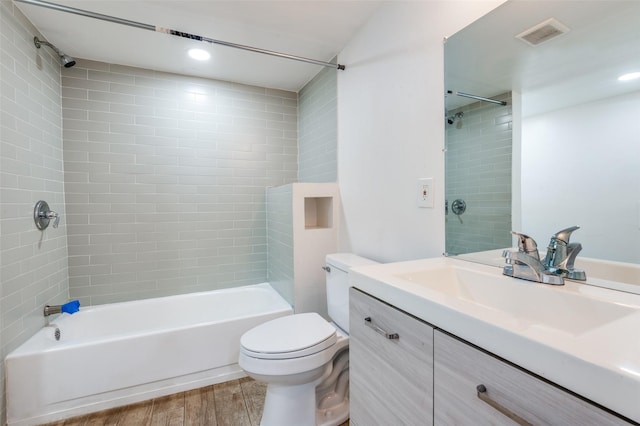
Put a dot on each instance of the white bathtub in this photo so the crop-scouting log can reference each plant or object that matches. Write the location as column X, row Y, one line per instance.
column 121, row 353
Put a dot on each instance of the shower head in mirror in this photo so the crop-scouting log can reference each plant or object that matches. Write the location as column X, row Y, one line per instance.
column 457, row 116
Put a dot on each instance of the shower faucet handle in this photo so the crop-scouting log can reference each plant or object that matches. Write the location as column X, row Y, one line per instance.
column 42, row 215
column 53, row 215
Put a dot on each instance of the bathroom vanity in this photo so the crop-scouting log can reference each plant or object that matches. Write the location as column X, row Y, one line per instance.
column 391, row 377
column 444, row 341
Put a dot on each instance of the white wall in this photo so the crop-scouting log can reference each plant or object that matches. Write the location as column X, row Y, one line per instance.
column 391, row 127
column 315, row 234
column 595, row 157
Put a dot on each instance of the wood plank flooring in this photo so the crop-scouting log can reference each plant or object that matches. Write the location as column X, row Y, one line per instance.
column 234, row 403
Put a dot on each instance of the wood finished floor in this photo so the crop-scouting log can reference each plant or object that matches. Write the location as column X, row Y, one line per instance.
column 234, row 403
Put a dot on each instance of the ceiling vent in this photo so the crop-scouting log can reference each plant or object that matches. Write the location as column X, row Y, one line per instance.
column 543, row 32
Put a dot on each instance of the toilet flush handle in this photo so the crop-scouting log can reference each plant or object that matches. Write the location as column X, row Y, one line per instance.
column 326, row 268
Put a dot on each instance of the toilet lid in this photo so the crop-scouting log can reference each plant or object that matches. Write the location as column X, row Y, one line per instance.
column 289, row 337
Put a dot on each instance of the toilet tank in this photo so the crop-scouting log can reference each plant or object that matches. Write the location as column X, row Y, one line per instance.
column 337, row 282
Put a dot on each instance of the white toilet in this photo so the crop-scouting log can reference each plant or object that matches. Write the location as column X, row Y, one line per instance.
column 304, row 359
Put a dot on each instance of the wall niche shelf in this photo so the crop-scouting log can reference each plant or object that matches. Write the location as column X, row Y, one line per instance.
column 318, row 212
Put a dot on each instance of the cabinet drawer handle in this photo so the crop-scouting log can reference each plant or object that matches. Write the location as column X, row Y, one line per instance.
column 482, row 394
column 390, row 336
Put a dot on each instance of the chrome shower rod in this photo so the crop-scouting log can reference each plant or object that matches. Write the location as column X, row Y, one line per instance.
column 479, row 98
column 141, row 25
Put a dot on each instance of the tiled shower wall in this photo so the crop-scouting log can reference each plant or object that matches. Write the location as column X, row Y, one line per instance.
column 280, row 240
column 317, row 127
column 33, row 271
column 317, row 162
column 478, row 171
column 165, row 180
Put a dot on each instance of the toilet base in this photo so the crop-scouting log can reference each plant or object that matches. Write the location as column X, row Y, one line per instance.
column 290, row 405
column 296, row 406
column 333, row 416
column 332, row 396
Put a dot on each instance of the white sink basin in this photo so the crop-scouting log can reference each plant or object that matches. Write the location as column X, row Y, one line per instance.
column 579, row 336
column 531, row 303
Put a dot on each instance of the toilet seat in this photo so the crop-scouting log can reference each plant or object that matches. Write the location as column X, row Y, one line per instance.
column 289, row 337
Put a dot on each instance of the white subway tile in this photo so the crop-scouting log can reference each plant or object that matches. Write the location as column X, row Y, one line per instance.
column 185, row 179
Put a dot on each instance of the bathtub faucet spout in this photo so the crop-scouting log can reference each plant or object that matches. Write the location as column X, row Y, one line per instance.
column 69, row 307
column 51, row 310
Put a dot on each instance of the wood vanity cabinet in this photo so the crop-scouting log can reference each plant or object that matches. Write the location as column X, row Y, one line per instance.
column 391, row 376
column 508, row 395
column 426, row 376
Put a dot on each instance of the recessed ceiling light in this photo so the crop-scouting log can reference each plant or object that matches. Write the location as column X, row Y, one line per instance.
column 199, row 54
column 629, row 76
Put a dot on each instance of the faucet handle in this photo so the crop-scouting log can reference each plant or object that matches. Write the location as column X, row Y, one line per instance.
column 527, row 245
column 564, row 234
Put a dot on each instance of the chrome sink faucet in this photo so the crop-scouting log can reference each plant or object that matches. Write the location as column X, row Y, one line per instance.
column 557, row 264
column 561, row 255
column 525, row 263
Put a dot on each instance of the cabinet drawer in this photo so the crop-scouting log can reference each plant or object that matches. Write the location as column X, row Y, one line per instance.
column 458, row 370
column 391, row 380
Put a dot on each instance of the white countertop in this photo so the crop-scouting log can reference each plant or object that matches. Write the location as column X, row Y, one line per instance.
column 600, row 273
column 601, row 362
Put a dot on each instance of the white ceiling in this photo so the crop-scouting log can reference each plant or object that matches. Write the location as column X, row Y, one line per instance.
column 603, row 43
column 316, row 29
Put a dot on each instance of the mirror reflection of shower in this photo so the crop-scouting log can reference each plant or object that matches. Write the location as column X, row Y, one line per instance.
column 478, row 159
column 457, row 117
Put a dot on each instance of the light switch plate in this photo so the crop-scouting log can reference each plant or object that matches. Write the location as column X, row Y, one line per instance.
column 425, row 192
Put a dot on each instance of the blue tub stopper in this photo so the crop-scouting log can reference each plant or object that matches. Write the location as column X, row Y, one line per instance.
column 71, row 307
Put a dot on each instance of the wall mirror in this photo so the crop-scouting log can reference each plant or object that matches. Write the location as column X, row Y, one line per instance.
column 573, row 128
